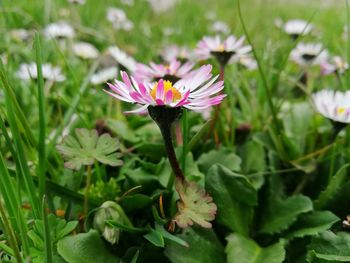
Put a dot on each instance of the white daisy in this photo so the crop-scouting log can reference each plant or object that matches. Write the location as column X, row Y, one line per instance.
column 20, row 34
column 335, row 65
column 174, row 52
column 85, row 50
column 161, row 6
column 220, row 27
column 297, row 27
column 309, row 54
column 29, row 71
column 59, row 30
column 119, row 19
column 128, row 2
column 104, row 75
column 334, row 105
column 122, row 58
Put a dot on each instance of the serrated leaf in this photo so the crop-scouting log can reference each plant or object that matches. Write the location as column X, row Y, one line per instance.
column 88, row 148
column 332, row 188
column 234, row 196
column 282, row 213
column 241, row 249
column 312, row 224
column 331, row 247
column 223, row 156
column 85, row 247
column 194, row 206
column 203, row 246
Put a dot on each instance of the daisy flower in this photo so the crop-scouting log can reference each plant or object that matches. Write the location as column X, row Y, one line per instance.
column 59, row 30
column 122, row 58
column 104, row 75
column 85, row 50
column 309, row 54
column 29, row 71
column 78, row 2
column 174, row 52
column 196, row 94
column 297, row 27
column 20, row 34
column 161, row 6
column 334, row 105
column 119, row 19
column 335, row 65
column 173, row 71
column 222, row 50
column 220, row 27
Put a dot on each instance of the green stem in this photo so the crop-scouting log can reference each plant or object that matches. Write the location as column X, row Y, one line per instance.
column 87, row 190
column 185, row 140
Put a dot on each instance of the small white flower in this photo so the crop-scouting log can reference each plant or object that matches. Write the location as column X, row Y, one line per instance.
column 174, row 52
column 20, row 34
column 334, row 105
column 85, row 50
column 4, row 58
column 336, row 64
column 161, row 6
column 78, row 2
column 220, row 27
column 119, row 19
column 29, row 71
column 59, row 30
column 297, row 27
column 104, row 75
column 309, row 54
column 122, row 58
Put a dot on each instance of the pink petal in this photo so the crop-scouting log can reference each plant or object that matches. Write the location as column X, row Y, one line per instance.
column 168, row 97
column 160, row 89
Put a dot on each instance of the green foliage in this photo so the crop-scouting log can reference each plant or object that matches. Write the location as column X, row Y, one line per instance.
column 210, row 250
column 234, row 196
column 241, row 249
column 85, row 247
column 58, row 229
column 88, row 148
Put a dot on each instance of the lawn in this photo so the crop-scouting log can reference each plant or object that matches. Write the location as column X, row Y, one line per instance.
column 183, row 131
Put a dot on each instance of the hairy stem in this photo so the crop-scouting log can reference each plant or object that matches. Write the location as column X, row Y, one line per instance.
column 87, row 190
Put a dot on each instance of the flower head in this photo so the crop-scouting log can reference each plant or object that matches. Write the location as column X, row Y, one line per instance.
column 174, row 52
column 29, row 71
column 309, row 54
column 119, row 19
column 220, row 27
column 85, row 50
column 59, row 30
column 160, row 6
column 297, row 27
column 335, row 65
column 334, row 105
column 196, row 93
column 172, row 71
column 104, row 75
column 222, row 50
column 122, row 58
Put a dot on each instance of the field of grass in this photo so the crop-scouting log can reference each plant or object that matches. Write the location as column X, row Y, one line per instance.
column 262, row 177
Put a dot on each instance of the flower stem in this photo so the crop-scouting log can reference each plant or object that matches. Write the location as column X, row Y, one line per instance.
column 169, row 147
column 87, row 190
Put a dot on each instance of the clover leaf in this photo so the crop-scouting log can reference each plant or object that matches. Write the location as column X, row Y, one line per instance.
column 194, row 206
column 88, row 148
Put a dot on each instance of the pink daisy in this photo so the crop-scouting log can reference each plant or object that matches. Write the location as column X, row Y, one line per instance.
column 172, row 71
column 222, row 50
column 197, row 93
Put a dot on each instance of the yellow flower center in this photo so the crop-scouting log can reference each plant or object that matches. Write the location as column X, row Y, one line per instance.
column 341, row 110
column 221, row 48
column 168, row 85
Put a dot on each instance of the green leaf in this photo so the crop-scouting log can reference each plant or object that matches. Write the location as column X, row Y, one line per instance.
column 85, row 247
column 194, row 206
column 312, row 224
column 332, row 188
column 282, row 213
column 204, row 246
column 155, row 238
column 241, row 249
column 234, row 196
column 331, row 247
column 88, row 148
column 223, row 156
